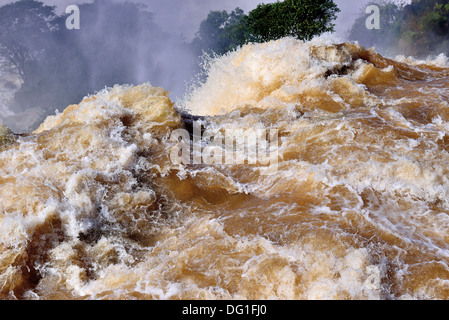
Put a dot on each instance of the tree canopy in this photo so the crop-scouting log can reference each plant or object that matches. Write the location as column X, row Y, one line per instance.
column 24, row 28
column 302, row 19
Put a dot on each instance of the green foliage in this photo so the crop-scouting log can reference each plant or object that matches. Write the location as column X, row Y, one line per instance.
column 436, row 20
column 221, row 32
column 302, row 19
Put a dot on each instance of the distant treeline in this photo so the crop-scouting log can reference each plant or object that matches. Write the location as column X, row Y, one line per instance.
column 419, row 29
column 120, row 43
column 221, row 31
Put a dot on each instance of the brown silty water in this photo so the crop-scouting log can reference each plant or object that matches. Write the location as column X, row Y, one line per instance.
column 92, row 206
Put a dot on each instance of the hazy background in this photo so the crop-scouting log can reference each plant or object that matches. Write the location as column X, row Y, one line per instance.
column 184, row 16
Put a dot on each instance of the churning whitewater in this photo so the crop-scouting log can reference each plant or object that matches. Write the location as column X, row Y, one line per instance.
column 92, row 206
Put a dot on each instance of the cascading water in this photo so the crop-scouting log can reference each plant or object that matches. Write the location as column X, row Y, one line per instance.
column 93, row 207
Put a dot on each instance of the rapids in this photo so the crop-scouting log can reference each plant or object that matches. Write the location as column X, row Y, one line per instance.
column 92, row 207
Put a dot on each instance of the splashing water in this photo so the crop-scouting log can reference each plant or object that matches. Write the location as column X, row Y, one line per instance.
column 92, row 207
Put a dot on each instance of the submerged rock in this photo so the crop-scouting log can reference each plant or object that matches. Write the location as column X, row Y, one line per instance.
column 6, row 136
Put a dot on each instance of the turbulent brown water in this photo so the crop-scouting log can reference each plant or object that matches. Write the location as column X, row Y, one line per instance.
column 92, row 207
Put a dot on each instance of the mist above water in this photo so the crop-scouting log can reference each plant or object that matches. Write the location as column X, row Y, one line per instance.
column 133, row 43
column 117, row 43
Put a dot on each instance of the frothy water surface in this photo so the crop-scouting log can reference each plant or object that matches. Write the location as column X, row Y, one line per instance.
column 92, row 207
